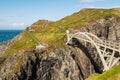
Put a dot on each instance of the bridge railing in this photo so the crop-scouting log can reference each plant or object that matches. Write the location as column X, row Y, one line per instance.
column 105, row 48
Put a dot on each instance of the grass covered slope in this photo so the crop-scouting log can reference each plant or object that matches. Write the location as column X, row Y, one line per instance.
column 112, row 74
column 25, row 43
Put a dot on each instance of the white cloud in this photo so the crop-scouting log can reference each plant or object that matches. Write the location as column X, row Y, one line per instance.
column 87, row 1
column 17, row 24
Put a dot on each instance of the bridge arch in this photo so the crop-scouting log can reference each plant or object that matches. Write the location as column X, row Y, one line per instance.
column 98, row 43
column 88, row 37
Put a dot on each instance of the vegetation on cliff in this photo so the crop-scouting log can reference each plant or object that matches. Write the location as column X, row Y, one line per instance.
column 112, row 74
column 53, row 34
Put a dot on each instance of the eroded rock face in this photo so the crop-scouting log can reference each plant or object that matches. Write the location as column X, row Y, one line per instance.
column 108, row 28
column 59, row 65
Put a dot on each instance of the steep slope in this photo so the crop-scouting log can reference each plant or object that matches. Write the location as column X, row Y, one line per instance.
column 113, row 74
column 20, row 60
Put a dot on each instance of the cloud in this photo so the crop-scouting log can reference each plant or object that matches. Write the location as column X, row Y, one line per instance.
column 17, row 24
column 87, row 1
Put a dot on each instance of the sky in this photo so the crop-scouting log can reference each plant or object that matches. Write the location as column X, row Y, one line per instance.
column 19, row 14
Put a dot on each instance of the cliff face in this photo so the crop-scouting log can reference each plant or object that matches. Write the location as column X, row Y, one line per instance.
column 70, row 62
column 107, row 28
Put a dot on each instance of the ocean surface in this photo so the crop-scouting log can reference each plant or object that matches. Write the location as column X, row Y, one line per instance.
column 8, row 34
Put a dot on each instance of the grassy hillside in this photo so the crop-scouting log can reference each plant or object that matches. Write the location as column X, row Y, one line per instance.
column 25, row 43
column 112, row 74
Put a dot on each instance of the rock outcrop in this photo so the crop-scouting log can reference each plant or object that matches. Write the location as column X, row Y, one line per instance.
column 108, row 28
column 59, row 65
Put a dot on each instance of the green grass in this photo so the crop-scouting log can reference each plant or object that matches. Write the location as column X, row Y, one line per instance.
column 25, row 43
column 108, row 75
column 51, row 39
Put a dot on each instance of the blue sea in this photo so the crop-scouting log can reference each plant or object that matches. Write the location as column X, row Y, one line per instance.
column 8, row 34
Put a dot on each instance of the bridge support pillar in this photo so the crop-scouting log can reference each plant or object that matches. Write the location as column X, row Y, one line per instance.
column 68, row 34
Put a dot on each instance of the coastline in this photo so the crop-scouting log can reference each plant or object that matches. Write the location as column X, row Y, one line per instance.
column 6, row 35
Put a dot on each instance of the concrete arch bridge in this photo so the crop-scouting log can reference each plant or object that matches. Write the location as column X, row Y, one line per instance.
column 108, row 58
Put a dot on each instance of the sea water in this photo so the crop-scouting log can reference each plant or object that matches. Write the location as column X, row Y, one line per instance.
column 5, row 35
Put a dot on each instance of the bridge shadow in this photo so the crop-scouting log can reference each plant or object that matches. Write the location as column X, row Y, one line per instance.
column 76, row 43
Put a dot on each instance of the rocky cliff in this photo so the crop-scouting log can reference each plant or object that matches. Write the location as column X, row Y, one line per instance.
column 58, row 61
